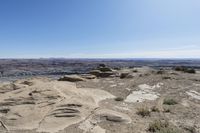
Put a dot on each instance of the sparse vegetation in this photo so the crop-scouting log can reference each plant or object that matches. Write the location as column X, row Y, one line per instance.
column 4, row 110
column 155, row 109
column 27, row 83
column 185, row 69
column 143, row 112
column 166, row 77
column 190, row 129
column 102, row 65
column 159, row 126
column 170, row 101
column 1, row 73
column 191, row 71
column 160, row 72
column 123, row 75
column 135, row 71
column 167, row 110
column 139, row 101
column 179, row 68
column 119, row 99
column 131, row 67
column 117, row 68
column 105, row 69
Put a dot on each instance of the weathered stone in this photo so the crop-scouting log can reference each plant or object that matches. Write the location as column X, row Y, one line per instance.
column 125, row 75
column 101, row 74
column 106, row 74
column 105, row 69
column 88, row 76
column 95, row 72
column 71, row 78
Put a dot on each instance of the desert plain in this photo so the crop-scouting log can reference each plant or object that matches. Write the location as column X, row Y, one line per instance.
column 103, row 100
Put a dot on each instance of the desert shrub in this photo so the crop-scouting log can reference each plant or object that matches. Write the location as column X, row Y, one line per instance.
column 185, row 69
column 191, row 71
column 167, row 110
column 169, row 130
column 159, row 126
column 143, row 112
column 166, row 77
column 123, row 75
column 119, row 99
column 105, row 69
column 135, row 71
column 117, row 68
column 131, row 67
column 170, row 102
column 102, row 65
column 179, row 68
column 27, row 83
column 190, row 129
column 160, row 72
column 155, row 109
column 4, row 110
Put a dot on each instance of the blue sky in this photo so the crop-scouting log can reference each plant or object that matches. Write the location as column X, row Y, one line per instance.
column 100, row 28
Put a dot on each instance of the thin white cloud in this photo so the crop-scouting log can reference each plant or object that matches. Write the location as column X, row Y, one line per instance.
column 184, row 52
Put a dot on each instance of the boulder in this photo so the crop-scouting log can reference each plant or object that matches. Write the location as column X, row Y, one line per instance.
column 105, row 69
column 113, row 116
column 95, row 72
column 88, row 76
column 101, row 74
column 106, row 74
column 126, row 75
column 71, row 78
column 102, row 71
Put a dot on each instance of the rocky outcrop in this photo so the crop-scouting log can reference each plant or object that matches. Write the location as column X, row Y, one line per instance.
column 101, row 74
column 71, row 78
column 105, row 69
column 102, row 71
column 88, row 76
column 51, row 107
column 125, row 75
column 113, row 116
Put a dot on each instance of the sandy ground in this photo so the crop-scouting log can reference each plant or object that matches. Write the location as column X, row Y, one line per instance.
column 90, row 106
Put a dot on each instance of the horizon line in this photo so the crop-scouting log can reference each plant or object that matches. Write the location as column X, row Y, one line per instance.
column 96, row 58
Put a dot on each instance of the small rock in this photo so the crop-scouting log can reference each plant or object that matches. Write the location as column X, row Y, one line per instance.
column 113, row 116
column 27, row 83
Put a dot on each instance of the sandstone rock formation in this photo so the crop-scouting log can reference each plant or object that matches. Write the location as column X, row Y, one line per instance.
column 71, row 78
